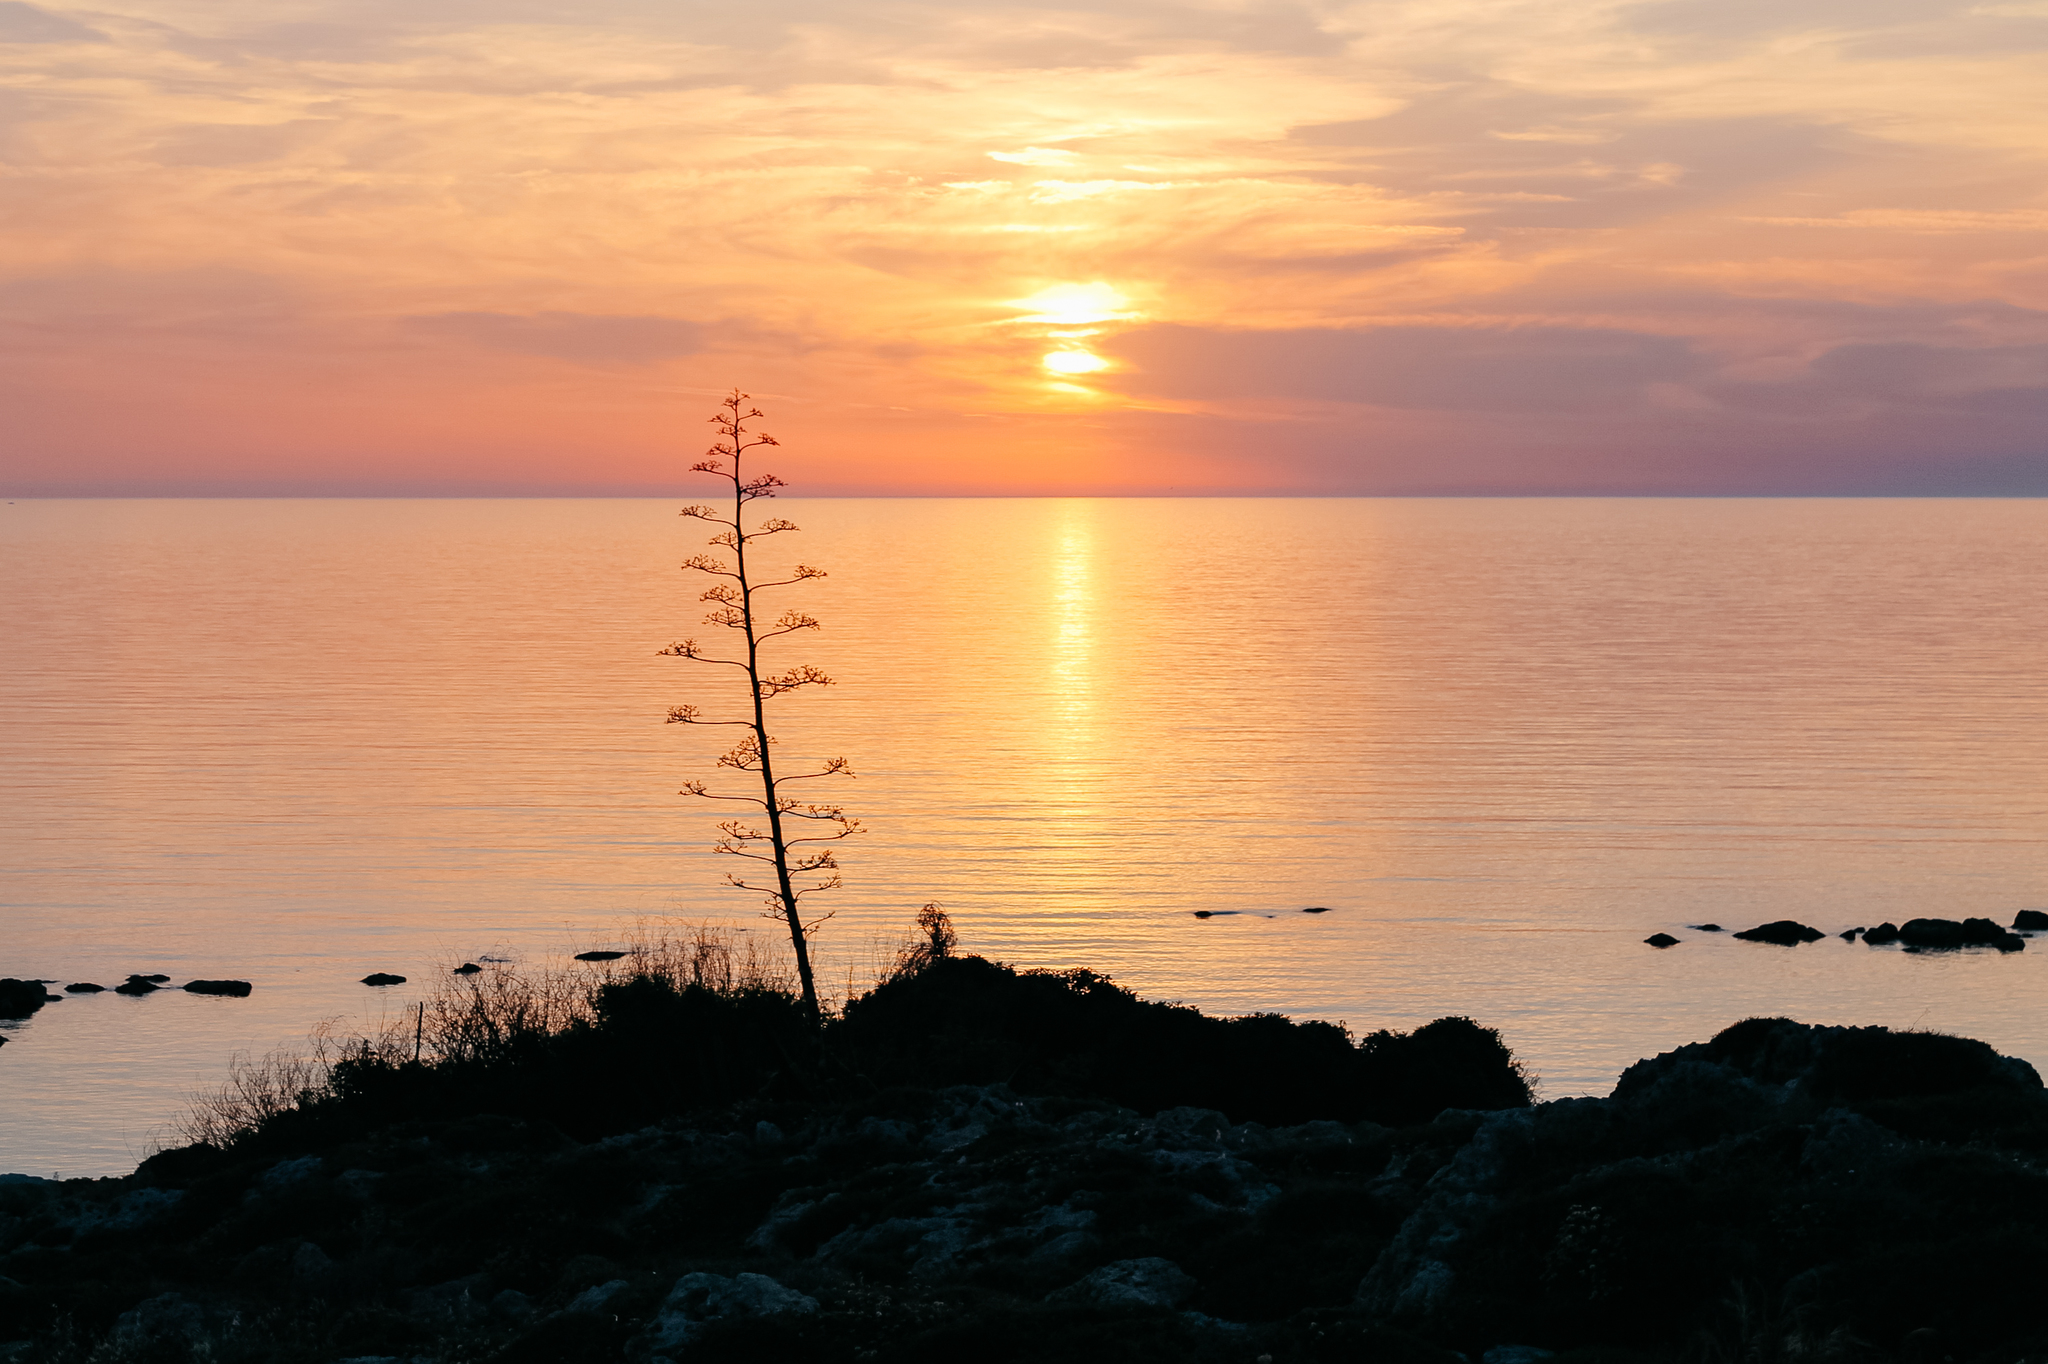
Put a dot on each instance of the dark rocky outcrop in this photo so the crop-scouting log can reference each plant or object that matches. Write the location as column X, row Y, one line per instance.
column 1946, row 935
column 1318, row 909
column 1881, row 935
column 599, row 956
column 84, row 987
column 234, row 989
column 1661, row 940
column 383, row 978
column 468, row 968
column 1782, row 932
column 136, row 985
column 20, row 998
column 2030, row 921
column 1781, row 1183
column 1705, row 928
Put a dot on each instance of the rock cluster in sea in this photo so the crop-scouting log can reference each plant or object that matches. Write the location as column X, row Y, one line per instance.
column 1838, row 1193
column 1917, row 935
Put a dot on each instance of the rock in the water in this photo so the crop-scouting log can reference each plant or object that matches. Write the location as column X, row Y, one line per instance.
column 2031, row 921
column 599, row 956
column 1661, row 940
column 1317, row 909
column 700, row 1298
column 136, row 985
column 84, row 987
column 20, row 998
column 235, row 989
column 158, row 979
column 1205, row 914
column 383, row 978
column 1782, row 932
column 1704, row 928
column 1882, row 934
column 1150, row 1282
column 468, row 968
column 1849, row 934
column 1939, row 935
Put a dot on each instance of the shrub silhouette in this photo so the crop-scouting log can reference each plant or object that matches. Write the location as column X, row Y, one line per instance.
column 653, row 1045
column 966, row 1020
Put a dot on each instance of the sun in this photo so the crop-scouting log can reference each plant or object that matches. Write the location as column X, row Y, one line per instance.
column 1074, row 362
column 1069, row 305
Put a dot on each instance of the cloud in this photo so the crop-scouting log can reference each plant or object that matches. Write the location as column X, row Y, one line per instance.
column 1468, row 369
column 21, row 23
column 585, row 338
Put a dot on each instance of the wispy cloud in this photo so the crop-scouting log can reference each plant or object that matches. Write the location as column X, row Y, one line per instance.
column 1451, row 230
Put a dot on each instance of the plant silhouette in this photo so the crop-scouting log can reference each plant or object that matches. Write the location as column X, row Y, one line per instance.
column 799, row 865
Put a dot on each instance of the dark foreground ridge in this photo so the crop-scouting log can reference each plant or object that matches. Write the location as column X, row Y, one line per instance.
column 1003, row 1166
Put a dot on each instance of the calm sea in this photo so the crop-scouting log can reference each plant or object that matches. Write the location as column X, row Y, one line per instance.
column 1503, row 740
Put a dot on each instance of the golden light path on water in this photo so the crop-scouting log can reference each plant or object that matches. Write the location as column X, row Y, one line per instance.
column 1504, row 741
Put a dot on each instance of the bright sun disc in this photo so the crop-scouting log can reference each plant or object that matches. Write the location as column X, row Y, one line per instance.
column 1074, row 362
column 1066, row 305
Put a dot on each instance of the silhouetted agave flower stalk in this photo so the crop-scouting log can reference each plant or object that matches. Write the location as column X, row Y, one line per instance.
column 766, row 833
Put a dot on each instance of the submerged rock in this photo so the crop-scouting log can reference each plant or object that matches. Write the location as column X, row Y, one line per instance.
column 84, row 987
column 1661, row 940
column 1705, row 928
column 1317, row 909
column 599, row 956
column 383, row 978
column 1782, row 933
column 234, row 989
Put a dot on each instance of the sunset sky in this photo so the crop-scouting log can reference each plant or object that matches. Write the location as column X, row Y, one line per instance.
column 1411, row 246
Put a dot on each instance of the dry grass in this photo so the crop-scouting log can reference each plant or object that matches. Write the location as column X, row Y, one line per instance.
column 481, row 1016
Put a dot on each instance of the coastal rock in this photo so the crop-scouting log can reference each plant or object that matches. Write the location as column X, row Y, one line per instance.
column 1317, row 909
column 383, row 978
column 1147, row 1282
column 1661, row 940
column 598, row 1297
column 84, row 987
column 1517, row 1354
column 20, row 998
column 599, row 956
column 1849, row 934
column 234, row 989
column 1884, row 933
column 156, row 979
column 136, row 985
column 2031, row 921
column 698, row 1299
column 1705, row 928
column 1940, row 935
column 468, row 968
column 1782, row 933
column 160, row 1320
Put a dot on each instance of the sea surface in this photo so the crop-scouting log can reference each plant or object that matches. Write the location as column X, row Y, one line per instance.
column 1502, row 741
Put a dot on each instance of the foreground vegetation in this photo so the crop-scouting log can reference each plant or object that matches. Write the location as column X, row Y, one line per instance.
column 981, row 1163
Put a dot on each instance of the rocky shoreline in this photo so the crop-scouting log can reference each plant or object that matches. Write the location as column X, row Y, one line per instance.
column 1780, row 1191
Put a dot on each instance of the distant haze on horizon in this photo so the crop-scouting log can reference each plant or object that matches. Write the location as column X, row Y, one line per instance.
column 358, row 247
